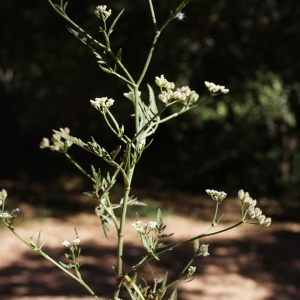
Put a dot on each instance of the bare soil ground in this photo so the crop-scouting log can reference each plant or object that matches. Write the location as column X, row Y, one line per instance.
column 249, row 262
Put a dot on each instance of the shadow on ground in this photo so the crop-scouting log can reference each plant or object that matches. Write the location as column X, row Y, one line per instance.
column 271, row 260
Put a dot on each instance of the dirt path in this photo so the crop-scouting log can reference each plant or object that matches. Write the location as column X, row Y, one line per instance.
column 249, row 262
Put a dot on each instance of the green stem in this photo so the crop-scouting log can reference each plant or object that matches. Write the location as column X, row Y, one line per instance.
column 61, row 12
column 148, row 259
column 117, row 133
column 153, row 15
column 40, row 252
column 79, row 167
column 119, row 270
column 148, row 60
column 118, row 62
column 216, row 212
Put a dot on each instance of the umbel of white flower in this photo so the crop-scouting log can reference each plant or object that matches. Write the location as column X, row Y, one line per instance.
column 184, row 94
column 102, row 13
column 216, row 196
column 102, row 104
column 215, row 89
column 145, row 228
column 57, row 143
column 253, row 212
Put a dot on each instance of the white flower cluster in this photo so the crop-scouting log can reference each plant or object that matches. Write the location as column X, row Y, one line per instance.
column 130, row 95
column 76, row 242
column 204, row 250
column 191, row 271
column 215, row 89
column 57, row 143
column 5, row 215
column 148, row 227
column 162, row 82
column 183, row 94
column 10, row 217
column 101, row 12
column 102, row 103
column 216, row 196
column 253, row 212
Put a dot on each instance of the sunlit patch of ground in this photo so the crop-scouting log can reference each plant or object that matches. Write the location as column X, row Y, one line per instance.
column 249, row 262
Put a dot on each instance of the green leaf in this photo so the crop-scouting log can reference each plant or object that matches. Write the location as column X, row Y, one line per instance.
column 152, row 103
column 114, row 22
column 70, row 138
column 115, row 152
column 165, row 235
column 181, row 6
column 174, row 295
column 65, row 6
column 159, row 218
column 107, row 70
column 104, row 217
column 69, row 256
column 163, row 288
column 67, row 266
column 163, row 245
column 133, row 201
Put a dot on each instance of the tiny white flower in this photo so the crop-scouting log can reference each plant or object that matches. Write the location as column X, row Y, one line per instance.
column 101, row 8
column 44, row 143
column 266, row 222
column 224, row 91
column 241, row 195
column 136, row 224
column 209, row 85
column 152, row 224
column 258, row 212
column 130, row 95
column 247, row 198
column 191, row 270
column 251, row 212
column 160, row 81
column 141, row 144
column 204, row 250
column 216, row 196
column 65, row 243
column 3, row 194
column 109, row 102
column 180, row 16
column 5, row 215
column 76, row 242
column 214, row 89
column 140, row 230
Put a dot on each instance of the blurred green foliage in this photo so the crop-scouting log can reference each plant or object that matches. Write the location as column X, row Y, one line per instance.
column 245, row 139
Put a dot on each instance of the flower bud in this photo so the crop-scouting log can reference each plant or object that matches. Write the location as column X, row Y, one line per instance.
column 241, row 195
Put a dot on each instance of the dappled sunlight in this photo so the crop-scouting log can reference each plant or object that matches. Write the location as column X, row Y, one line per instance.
column 248, row 260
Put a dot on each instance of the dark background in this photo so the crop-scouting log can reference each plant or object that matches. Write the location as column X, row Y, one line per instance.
column 245, row 139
